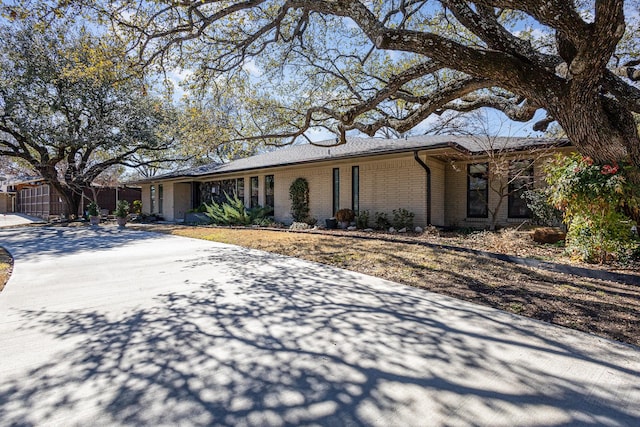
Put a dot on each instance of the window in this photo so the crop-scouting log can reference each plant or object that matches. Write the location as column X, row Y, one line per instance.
column 254, row 191
column 226, row 187
column 160, row 198
column 355, row 189
column 240, row 188
column 477, row 190
column 268, row 190
column 520, row 180
column 152, row 201
column 336, row 190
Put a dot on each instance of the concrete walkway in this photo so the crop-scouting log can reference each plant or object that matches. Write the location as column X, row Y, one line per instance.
column 108, row 327
column 14, row 219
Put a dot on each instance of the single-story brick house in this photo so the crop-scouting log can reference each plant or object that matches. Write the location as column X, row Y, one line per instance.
column 443, row 180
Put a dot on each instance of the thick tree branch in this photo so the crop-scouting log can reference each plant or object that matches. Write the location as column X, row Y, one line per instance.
column 558, row 14
column 517, row 111
column 627, row 94
column 485, row 25
column 628, row 71
column 511, row 72
column 392, row 87
column 453, row 90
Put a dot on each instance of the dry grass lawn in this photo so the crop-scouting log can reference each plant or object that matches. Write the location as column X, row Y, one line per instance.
column 5, row 267
column 607, row 309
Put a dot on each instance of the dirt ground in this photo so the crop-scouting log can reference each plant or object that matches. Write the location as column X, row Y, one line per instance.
column 608, row 309
column 5, row 267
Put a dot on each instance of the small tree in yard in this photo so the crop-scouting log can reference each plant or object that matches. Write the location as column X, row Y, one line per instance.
column 501, row 171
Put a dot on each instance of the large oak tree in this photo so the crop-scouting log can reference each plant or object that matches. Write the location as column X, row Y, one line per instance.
column 70, row 112
column 371, row 65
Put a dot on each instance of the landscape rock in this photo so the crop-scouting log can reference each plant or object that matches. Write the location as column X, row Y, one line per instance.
column 352, row 228
column 299, row 226
column 418, row 230
column 392, row 230
column 402, row 230
column 548, row 235
column 368, row 230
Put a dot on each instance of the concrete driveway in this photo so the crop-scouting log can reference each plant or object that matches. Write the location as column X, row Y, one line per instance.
column 103, row 327
column 15, row 219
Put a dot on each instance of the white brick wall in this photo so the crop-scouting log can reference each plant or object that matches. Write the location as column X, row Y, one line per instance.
column 387, row 182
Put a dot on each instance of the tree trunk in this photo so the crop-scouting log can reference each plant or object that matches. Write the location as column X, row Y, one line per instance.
column 70, row 198
column 599, row 127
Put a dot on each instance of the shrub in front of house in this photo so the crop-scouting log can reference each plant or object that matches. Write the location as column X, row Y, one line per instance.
column 136, row 207
column 93, row 209
column 402, row 218
column 542, row 211
column 345, row 216
column 299, row 196
column 234, row 212
column 598, row 203
column 309, row 220
column 381, row 221
column 362, row 220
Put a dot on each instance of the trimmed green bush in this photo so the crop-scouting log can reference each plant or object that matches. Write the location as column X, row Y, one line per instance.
column 402, row 218
column 381, row 221
column 136, row 207
column 93, row 209
column 542, row 211
column 362, row 220
column 299, row 196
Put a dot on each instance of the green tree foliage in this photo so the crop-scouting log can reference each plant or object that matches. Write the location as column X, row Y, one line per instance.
column 369, row 66
column 600, row 206
column 542, row 212
column 210, row 126
column 70, row 109
column 299, row 196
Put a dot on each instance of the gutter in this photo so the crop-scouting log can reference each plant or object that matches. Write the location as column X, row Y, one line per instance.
column 428, row 177
column 212, row 174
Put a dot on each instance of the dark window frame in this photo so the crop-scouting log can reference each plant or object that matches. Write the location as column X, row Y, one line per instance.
column 484, row 194
column 254, row 200
column 335, row 190
column 269, row 190
column 160, row 198
column 355, row 189
column 240, row 188
column 516, row 187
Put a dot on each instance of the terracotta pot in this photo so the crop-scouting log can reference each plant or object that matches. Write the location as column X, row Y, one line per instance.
column 94, row 220
column 121, row 222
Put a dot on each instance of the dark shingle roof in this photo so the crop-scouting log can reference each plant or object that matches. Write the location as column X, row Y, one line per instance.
column 360, row 147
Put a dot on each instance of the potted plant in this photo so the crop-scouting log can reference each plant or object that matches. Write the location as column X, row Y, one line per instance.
column 94, row 213
column 122, row 212
column 136, row 208
column 331, row 223
column 344, row 217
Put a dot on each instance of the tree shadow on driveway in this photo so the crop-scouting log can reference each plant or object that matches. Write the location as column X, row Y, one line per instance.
column 30, row 243
column 271, row 340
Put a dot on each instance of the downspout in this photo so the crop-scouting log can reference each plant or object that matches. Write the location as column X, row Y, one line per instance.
column 428, row 171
